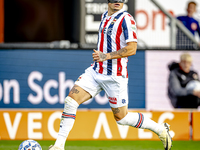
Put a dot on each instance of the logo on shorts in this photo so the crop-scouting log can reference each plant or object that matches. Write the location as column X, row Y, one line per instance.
column 123, row 101
column 112, row 100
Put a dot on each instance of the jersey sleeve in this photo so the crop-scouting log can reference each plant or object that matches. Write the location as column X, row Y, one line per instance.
column 129, row 29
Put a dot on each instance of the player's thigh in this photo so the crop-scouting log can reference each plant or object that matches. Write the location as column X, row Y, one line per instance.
column 79, row 94
column 120, row 112
column 85, row 87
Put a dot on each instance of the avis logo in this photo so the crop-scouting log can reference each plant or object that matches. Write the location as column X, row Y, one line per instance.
column 112, row 100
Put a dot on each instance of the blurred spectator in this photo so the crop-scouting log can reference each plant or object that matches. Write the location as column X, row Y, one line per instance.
column 180, row 75
column 183, row 42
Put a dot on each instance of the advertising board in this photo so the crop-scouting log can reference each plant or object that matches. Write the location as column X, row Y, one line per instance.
column 195, row 125
column 98, row 125
column 43, row 78
column 157, row 74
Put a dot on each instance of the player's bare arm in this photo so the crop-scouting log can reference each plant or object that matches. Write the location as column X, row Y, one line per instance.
column 129, row 50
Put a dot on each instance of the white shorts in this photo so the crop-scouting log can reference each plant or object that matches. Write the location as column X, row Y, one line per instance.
column 115, row 87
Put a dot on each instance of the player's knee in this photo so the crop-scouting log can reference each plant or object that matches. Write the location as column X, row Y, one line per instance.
column 70, row 105
column 122, row 121
column 117, row 117
column 120, row 116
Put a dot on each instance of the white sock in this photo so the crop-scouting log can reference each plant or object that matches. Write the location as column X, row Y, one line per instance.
column 138, row 120
column 67, row 121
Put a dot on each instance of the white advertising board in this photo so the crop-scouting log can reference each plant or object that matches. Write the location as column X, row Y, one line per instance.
column 157, row 76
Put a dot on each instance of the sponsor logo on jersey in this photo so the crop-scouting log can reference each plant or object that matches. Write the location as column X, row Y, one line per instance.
column 109, row 31
column 104, row 30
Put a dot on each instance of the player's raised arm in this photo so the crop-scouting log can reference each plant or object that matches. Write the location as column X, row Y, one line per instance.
column 129, row 50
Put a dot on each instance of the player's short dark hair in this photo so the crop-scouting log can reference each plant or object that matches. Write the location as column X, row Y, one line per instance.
column 192, row 2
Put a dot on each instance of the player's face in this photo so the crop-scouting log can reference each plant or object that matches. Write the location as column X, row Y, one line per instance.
column 115, row 6
column 191, row 9
column 185, row 65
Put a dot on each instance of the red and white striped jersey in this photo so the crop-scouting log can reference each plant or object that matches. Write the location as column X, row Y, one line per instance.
column 114, row 32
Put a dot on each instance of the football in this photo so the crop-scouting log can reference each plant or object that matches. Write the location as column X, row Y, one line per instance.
column 29, row 145
column 193, row 85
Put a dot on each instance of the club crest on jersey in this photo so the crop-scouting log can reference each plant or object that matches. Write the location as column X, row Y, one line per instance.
column 114, row 21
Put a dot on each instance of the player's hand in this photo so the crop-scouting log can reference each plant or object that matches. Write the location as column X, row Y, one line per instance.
column 98, row 56
column 196, row 93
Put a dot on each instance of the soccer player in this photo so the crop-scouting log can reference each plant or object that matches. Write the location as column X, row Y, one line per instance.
column 117, row 40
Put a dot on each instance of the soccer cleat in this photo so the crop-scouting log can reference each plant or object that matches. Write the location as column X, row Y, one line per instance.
column 165, row 137
column 53, row 147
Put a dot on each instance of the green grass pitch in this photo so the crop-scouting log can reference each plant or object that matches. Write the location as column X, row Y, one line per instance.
column 108, row 145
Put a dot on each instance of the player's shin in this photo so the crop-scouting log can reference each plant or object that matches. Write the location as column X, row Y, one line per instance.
column 67, row 121
column 138, row 120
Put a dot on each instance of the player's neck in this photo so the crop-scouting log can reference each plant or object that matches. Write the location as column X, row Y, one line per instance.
column 189, row 15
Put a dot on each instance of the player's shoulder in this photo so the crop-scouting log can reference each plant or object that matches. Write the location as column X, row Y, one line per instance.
column 194, row 20
column 127, row 15
column 181, row 17
column 104, row 14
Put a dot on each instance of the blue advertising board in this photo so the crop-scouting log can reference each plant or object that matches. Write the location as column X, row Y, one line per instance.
column 42, row 78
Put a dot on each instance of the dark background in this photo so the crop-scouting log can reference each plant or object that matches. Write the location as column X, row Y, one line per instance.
column 41, row 20
column 45, row 20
